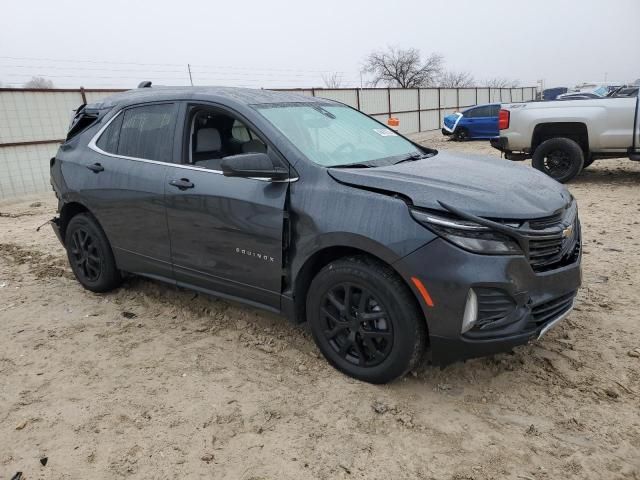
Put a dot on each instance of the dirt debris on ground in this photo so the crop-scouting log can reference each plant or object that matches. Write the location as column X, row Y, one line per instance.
column 151, row 381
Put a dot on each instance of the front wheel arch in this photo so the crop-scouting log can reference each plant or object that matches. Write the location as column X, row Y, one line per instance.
column 321, row 258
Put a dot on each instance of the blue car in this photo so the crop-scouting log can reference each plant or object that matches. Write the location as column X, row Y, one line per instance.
column 480, row 121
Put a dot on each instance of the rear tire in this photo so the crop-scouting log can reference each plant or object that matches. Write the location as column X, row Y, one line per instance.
column 365, row 320
column 560, row 158
column 90, row 255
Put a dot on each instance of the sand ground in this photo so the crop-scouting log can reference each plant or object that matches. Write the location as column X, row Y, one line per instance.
column 154, row 382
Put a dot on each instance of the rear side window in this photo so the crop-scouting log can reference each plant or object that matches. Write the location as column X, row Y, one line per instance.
column 108, row 141
column 147, row 132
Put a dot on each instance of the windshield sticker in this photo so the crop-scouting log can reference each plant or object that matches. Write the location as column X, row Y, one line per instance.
column 384, row 132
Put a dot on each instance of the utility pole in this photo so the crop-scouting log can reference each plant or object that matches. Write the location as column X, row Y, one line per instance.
column 190, row 77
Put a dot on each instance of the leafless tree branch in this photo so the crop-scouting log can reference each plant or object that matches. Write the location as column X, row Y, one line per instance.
column 404, row 68
column 453, row 79
column 332, row 80
column 38, row 82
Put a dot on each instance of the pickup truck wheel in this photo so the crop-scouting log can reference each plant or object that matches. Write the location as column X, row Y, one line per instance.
column 90, row 254
column 365, row 320
column 560, row 158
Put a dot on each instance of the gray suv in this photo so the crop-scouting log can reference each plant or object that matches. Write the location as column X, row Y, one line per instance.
column 311, row 209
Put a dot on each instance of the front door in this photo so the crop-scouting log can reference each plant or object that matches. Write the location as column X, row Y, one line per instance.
column 226, row 233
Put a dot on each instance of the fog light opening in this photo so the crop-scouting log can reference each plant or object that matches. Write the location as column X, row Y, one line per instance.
column 470, row 311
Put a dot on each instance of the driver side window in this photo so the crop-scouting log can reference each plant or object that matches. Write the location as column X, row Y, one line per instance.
column 214, row 134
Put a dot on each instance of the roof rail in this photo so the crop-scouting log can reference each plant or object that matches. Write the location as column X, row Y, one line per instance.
column 144, row 84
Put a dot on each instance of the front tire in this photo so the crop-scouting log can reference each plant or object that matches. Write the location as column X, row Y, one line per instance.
column 90, row 255
column 462, row 134
column 365, row 320
column 560, row 158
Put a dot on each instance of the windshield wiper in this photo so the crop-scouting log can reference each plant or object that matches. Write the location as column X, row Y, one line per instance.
column 353, row 165
column 413, row 157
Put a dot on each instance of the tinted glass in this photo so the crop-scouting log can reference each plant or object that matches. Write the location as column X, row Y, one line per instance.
column 332, row 135
column 494, row 110
column 471, row 113
column 482, row 111
column 108, row 141
column 147, row 132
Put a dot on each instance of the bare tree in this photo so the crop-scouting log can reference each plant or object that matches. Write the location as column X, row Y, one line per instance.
column 501, row 82
column 332, row 80
column 452, row 79
column 404, row 68
column 38, row 82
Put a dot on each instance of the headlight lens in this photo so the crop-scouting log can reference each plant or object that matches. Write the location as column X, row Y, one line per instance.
column 468, row 235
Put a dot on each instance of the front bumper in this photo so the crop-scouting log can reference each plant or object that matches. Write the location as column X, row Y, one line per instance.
column 536, row 301
column 446, row 132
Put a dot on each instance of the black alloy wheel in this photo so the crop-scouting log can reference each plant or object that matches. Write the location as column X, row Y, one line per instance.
column 86, row 255
column 365, row 319
column 90, row 254
column 357, row 326
column 557, row 163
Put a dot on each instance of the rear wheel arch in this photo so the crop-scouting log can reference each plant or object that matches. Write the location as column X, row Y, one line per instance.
column 67, row 212
column 575, row 131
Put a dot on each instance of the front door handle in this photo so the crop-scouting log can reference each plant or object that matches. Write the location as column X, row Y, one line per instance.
column 96, row 168
column 182, row 184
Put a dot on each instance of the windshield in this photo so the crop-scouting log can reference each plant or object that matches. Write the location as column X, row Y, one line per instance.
column 336, row 135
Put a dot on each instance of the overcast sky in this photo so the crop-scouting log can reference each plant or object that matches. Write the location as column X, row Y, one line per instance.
column 290, row 43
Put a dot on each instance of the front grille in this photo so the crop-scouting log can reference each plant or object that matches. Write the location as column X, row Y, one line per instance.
column 546, row 222
column 550, row 249
column 545, row 312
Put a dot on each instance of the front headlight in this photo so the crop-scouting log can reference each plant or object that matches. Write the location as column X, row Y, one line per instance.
column 468, row 235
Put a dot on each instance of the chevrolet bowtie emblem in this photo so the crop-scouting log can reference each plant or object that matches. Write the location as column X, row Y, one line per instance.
column 566, row 233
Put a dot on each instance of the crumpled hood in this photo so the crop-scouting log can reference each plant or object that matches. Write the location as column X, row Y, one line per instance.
column 482, row 186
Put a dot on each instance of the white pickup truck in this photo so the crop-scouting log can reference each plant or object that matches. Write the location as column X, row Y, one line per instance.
column 563, row 137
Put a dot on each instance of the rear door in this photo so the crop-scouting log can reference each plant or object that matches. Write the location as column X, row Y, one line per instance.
column 125, row 170
column 485, row 122
column 226, row 233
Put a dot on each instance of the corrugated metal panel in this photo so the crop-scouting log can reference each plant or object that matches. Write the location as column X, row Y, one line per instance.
column 93, row 97
column 25, row 170
column 483, row 96
column 430, row 120
column 307, row 92
column 404, row 100
column 350, row 97
column 374, row 101
column 448, row 98
column 505, row 95
column 494, row 95
column 30, row 116
column 429, row 98
column 408, row 122
column 516, row 95
column 467, row 97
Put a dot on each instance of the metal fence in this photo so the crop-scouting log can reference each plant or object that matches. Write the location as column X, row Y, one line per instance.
column 33, row 122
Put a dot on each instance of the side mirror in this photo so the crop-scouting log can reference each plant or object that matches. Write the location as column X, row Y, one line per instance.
column 252, row 165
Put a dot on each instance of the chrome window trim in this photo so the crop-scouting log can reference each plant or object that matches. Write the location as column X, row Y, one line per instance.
column 93, row 146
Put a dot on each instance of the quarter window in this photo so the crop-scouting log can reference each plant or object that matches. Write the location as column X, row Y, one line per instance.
column 147, row 132
column 108, row 141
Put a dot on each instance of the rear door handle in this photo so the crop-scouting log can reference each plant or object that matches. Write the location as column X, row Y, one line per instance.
column 96, row 167
column 182, row 184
